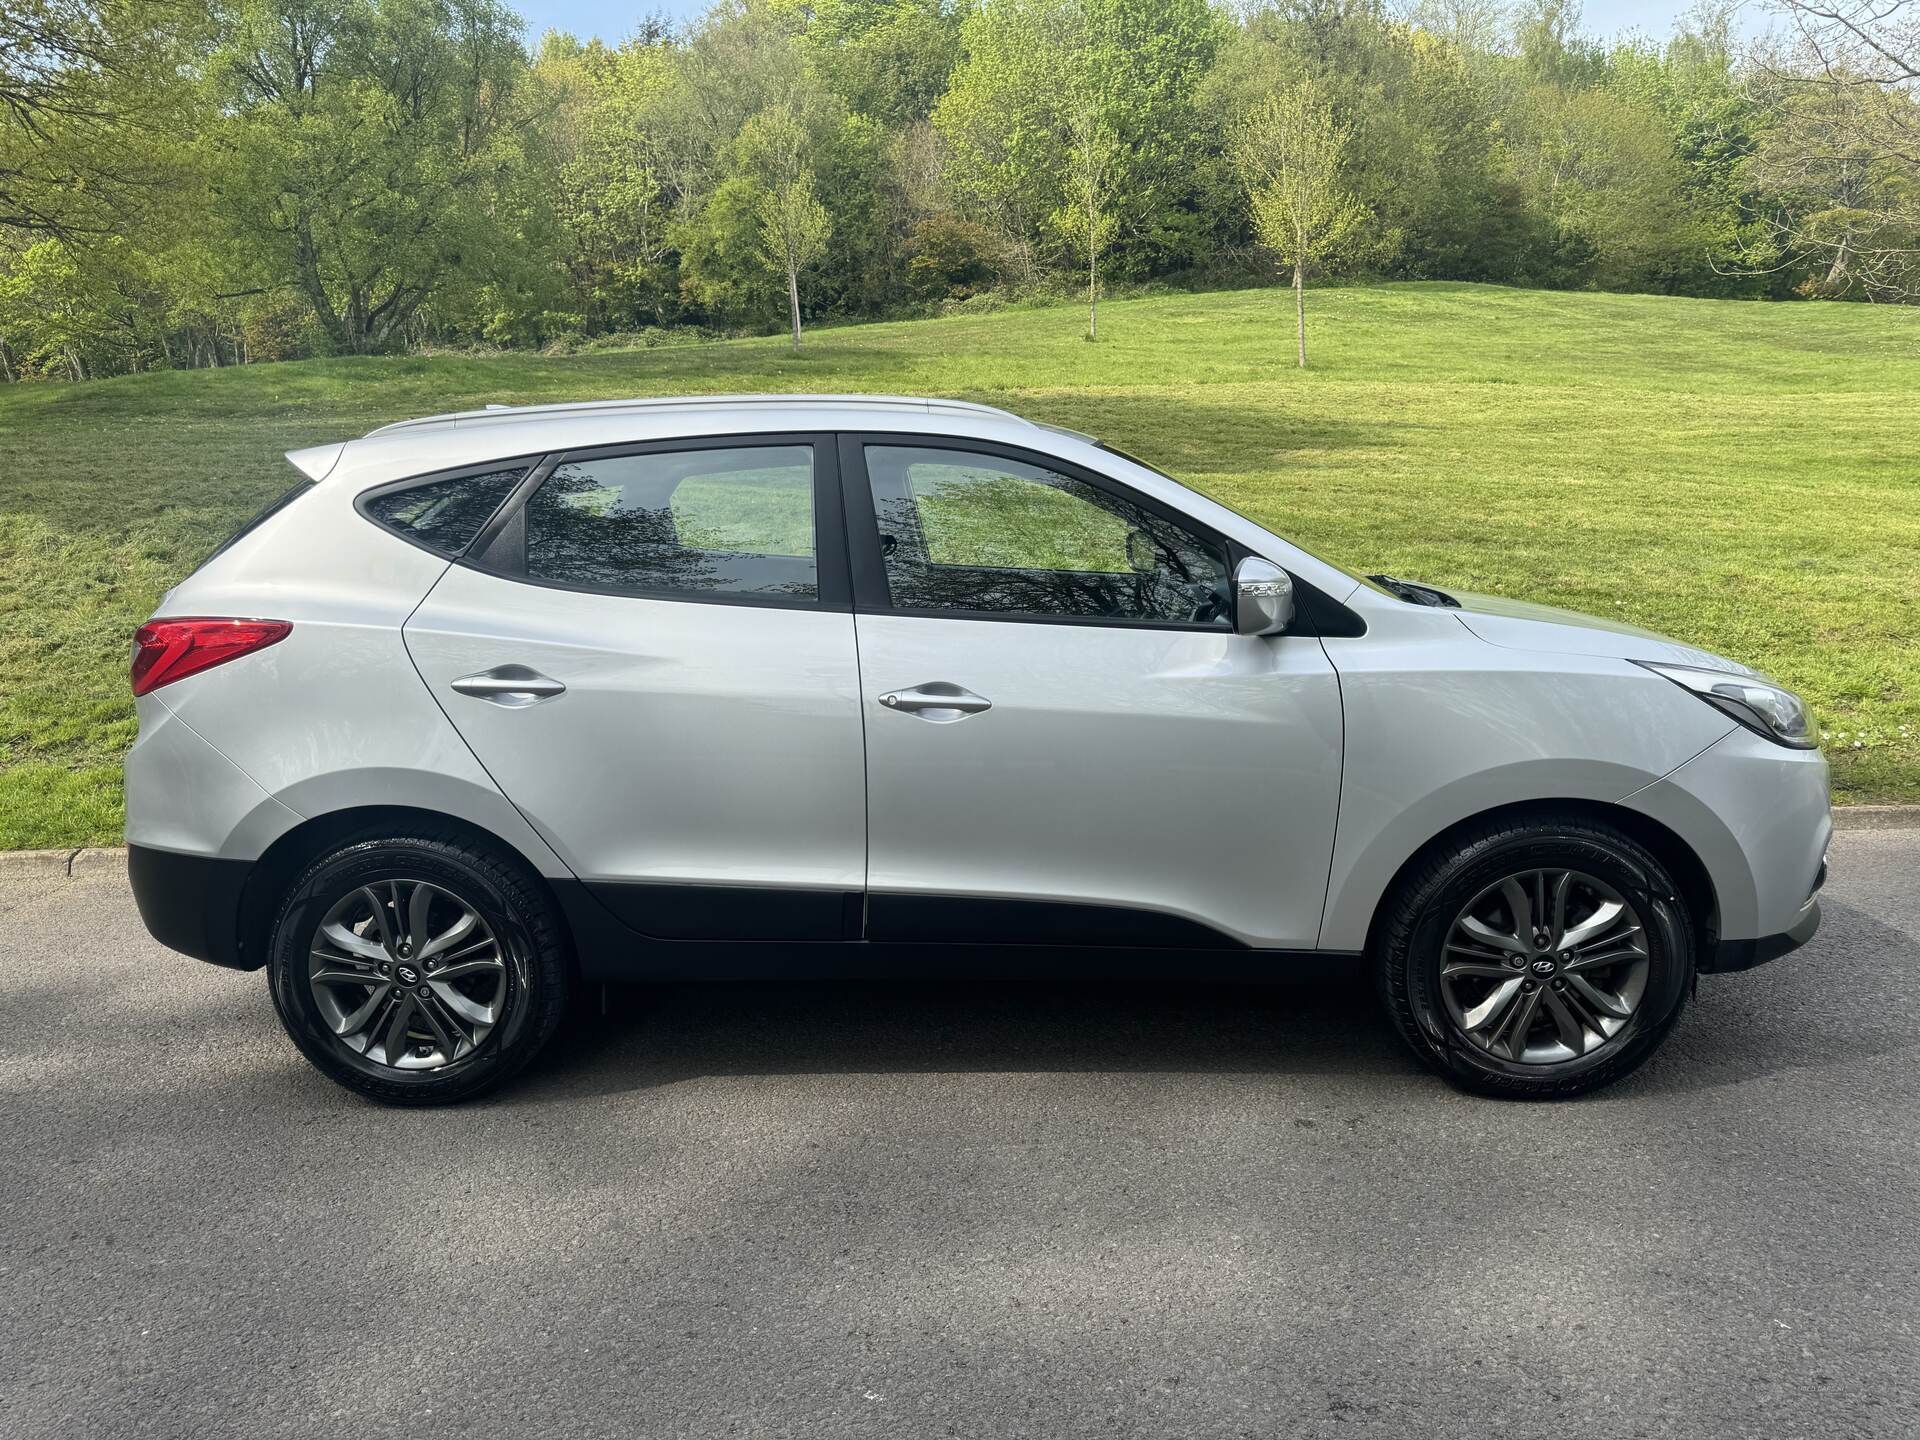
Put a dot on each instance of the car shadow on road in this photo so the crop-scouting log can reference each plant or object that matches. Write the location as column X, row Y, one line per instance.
column 1324, row 1020
column 649, row 1036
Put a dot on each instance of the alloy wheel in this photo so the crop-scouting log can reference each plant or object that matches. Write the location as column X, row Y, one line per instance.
column 407, row 974
column 1544, row 966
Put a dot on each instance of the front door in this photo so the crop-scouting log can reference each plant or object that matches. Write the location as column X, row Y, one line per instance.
column 655, row 661
column 1066, row 741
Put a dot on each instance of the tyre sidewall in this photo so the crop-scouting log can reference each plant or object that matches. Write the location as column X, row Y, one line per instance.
column 325, row 883
column 1626, row 867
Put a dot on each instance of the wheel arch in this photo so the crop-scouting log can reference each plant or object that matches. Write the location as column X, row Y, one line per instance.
column 1689, row 872
column 298, row 846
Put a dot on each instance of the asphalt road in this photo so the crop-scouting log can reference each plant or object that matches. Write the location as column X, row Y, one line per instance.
column 903, row 1212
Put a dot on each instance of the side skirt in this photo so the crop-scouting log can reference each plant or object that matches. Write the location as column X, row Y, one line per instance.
column 1044, row 942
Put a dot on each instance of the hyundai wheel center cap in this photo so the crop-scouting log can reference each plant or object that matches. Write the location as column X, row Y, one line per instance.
column 1544, row 966
column 406, row 975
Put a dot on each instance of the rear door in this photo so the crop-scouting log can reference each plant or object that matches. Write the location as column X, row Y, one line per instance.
column 1066, row 741
column 652, row 652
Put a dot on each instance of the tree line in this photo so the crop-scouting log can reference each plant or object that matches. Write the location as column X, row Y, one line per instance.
column 189, row 185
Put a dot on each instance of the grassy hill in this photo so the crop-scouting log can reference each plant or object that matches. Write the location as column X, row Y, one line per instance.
column 1742, row 476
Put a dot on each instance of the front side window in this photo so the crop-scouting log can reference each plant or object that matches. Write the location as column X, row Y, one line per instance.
column 973, row 533
column 701, row 522
column 445, row 515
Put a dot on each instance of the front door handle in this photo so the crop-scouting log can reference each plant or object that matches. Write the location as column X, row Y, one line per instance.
column 513, row 686
column 937, row 701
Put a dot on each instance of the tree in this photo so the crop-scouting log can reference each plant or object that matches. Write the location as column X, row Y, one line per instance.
column 368, row 151
column 1290, row 154
column 91, row 95
column 794, row 225
column 1054, row 92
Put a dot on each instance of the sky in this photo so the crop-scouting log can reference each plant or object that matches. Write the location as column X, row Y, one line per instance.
column 613, row 20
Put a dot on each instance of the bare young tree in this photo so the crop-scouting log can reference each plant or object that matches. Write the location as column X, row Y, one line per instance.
column 1846, row 153
column 1291, row 156
column 794, row 225
column 1087, row 220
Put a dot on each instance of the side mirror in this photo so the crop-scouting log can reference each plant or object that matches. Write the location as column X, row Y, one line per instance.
column 1262, row 598
column 1143, row 556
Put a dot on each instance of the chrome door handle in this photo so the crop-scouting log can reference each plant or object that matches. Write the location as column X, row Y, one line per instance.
column 513, row 686
column 937, row 701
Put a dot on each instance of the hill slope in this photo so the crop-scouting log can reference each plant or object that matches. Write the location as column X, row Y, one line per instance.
column 1741, row 476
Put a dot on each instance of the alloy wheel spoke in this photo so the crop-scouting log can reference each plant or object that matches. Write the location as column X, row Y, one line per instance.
column 428, row 1012
column 356, row 1021
column 465, row 1006
column 1573, row 1033
column 396, row 1033
column 1520, row 1021
column 1594, row 926
column 1479, row 930
column 1491, row 1009
column 379, row 927
column 466, row 969
column 1609, row 1005
column 1520, row 906
column 448, row 938
column 341, row 938
column 1562, row 887
column 419, row 906
column 1483, row 969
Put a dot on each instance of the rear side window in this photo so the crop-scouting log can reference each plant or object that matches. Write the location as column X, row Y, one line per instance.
column 444, row 515
column 709, row 522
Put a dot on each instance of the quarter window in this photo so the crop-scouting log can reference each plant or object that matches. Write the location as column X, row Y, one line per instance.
column 445, row 515
column 702, row 522
column 975, row 533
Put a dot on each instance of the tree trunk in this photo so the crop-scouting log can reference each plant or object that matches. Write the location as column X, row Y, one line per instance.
column 1300, row 310
column 1093, row 274
column 1093, row 294
column 793, row 302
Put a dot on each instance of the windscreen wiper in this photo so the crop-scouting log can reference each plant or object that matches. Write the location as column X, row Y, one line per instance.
column 1414, row 594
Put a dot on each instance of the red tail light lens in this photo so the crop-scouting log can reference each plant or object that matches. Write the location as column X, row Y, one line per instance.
column 168, row 650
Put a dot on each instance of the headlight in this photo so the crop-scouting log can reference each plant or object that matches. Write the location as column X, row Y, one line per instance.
column 1775, row 713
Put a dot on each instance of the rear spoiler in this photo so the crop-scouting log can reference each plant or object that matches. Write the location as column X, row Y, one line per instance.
column 316, row 461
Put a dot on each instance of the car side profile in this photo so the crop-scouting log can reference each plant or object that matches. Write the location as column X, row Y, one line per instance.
column 496, row 704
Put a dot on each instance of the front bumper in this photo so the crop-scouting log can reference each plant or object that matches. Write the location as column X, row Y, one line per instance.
column 1732, row 955
column 191, row 903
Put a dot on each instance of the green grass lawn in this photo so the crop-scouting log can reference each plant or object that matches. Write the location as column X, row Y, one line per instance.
column 1741, row 476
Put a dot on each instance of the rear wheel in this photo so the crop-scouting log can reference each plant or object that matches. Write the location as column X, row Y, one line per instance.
column 418, row 969
column 1539, row 958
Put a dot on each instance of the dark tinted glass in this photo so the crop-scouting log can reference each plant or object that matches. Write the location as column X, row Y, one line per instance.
column 711, row 522
column 969, row 532
column 445, row 515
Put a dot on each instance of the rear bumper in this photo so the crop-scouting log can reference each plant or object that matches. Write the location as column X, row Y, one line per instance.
column 191, row 903
column 1731, row 955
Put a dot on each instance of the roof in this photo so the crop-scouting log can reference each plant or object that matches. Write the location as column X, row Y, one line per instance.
column 497, row 414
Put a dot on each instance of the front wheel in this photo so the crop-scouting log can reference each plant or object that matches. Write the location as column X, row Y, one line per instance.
column 418, row 970
column 1539, row 958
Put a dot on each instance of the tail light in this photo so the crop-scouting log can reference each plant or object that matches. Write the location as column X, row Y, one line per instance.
column 168, row 650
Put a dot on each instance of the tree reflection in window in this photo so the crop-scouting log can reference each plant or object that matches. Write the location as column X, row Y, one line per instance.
column 734, row 522
column 977, row 533
column 445, row 515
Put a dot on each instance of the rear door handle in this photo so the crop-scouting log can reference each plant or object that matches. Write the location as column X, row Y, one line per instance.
column 513, row 686
column 938, row 701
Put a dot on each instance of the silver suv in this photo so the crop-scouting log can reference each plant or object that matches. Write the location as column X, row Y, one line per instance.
column 494, row 704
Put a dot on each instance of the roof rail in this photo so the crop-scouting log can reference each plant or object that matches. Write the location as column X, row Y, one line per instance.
column 692, row 402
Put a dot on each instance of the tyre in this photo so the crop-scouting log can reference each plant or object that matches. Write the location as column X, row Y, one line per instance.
column 418, row 970
column 1537, row 958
